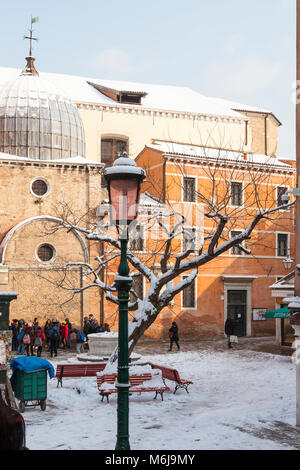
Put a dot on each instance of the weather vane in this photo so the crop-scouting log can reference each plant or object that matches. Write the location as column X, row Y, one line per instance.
column 31, row 38
column 30, row 68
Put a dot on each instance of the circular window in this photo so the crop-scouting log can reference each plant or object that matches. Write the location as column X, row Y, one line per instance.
column 39, row 187
column 46, row 253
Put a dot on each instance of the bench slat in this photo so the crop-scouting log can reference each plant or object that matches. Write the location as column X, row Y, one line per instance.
column 77, row 370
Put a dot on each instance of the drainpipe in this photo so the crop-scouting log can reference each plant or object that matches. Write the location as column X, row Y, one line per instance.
column 266, row 134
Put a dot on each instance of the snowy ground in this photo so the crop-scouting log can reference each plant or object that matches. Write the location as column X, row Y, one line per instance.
column 239, row 400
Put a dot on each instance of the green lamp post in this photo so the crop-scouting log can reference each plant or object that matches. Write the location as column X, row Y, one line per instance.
column 123, row 181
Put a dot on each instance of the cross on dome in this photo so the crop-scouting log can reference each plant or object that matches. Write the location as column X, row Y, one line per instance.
column 30, row 68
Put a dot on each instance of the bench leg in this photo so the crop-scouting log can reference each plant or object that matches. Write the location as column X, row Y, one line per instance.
column 161, row 395
column 59, row 381
column 181, row 386
column 105, row 395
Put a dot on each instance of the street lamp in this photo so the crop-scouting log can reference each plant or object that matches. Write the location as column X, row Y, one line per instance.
column 124, row 181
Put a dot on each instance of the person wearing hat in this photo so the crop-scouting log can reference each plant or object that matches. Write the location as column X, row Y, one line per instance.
column 173, row 335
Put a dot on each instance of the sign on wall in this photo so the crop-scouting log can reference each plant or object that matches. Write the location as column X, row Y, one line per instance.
column 259, row 314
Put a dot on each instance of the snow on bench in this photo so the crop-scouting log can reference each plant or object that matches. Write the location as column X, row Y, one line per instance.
column 172, row 374
column 145, row 382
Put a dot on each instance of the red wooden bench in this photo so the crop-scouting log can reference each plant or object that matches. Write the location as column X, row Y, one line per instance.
column 77, row 370
column 137, row 384
column 172, row 374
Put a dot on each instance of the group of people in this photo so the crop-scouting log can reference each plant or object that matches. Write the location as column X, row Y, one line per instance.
column 90, row 325
column 30, row 337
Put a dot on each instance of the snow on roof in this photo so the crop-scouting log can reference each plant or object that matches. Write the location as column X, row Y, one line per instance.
column 243, row 107
column 80, row 160
column 293, row 302
column 159, row 97
column 74, row 160
column 146, row 199
column 194, row 151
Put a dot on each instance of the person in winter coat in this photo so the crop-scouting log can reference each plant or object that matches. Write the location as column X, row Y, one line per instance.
column 21, row 346
column 35, row 326
column 38, row 341
column 28, row 339
column 64, row 333
column 54, row 335
column 70, row 329
column 47, row 329
column 173, row 335
column 229, row 329
column 14, row 328
column 79, row 341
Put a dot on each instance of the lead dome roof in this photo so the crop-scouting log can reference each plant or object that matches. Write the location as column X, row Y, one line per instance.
column 37, row 120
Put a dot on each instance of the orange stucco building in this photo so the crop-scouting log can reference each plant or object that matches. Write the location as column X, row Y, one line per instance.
column 236, row 281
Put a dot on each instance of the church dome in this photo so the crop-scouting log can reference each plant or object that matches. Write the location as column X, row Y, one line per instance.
column 37, row 120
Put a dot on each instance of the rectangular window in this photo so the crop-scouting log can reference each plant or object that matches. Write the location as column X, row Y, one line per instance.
column 236, row 249
column 138, row 287
column 110, row 150
column 188, row 295
column 137, row 241
column 236, row 194
column 281, row 190
column 106, row 152
column 189, row 239
column 189, row 190
column 120, row 146
column 282, row 244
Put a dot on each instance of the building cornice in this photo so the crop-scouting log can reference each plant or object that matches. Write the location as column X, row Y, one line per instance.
column 50, row 164
column 155, row 112
column 200, row 160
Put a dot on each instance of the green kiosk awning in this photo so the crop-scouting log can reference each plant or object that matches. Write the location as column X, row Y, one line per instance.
column 279, row 313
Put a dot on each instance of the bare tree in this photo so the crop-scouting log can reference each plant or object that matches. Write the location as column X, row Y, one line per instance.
column 168, row 259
